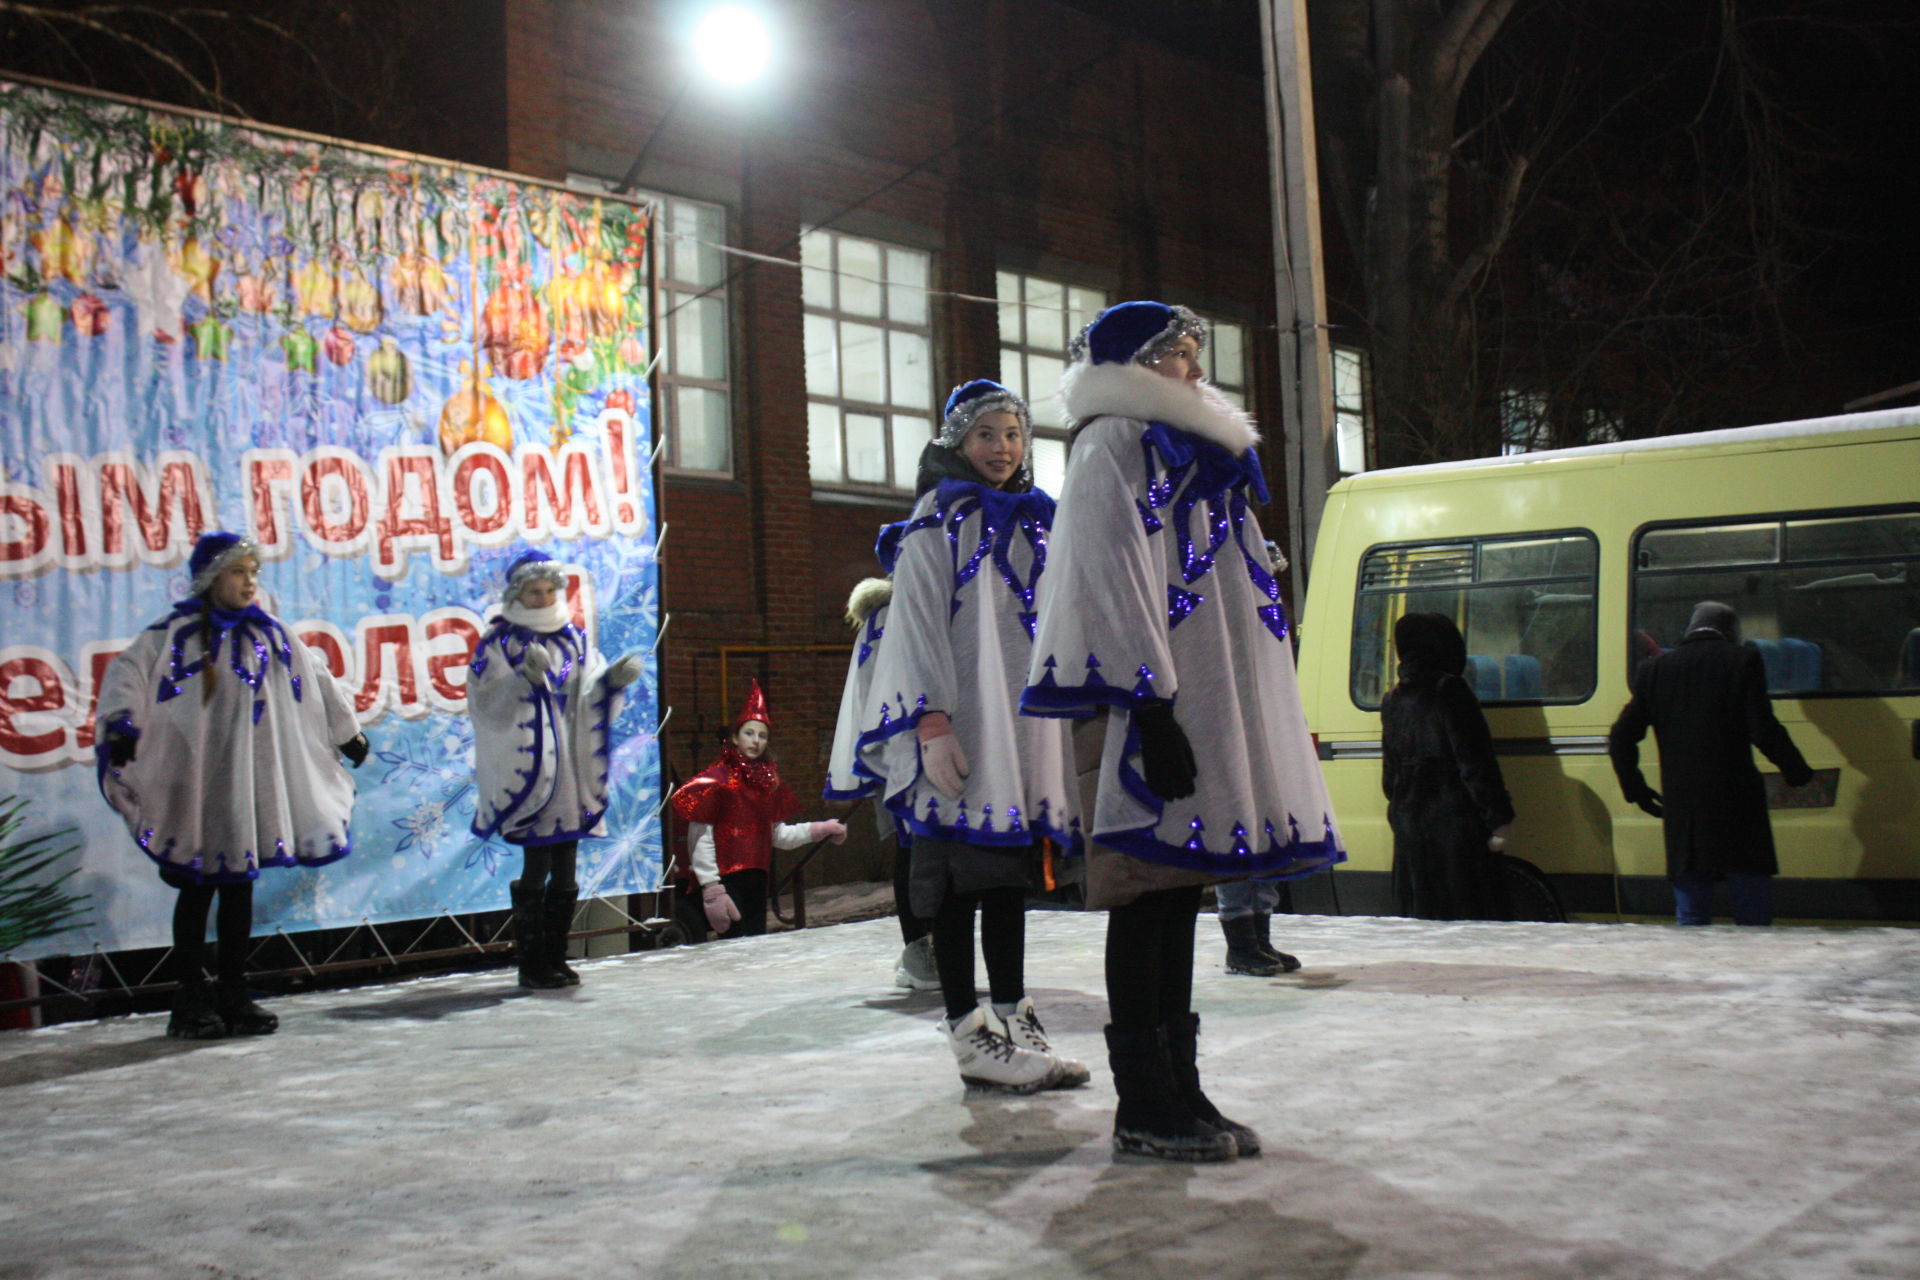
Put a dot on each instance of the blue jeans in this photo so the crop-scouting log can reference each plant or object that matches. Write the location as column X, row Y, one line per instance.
column 1749, row 893
column 1238, row 898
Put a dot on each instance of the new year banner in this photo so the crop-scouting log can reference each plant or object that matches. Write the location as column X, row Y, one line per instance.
column 395, row 376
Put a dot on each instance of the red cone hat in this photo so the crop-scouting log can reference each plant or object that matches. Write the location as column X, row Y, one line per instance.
column 754, row 708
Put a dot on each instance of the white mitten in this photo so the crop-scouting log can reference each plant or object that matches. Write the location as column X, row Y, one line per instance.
column 945, row 764
column 624, row 671
column 828, row 829
column 536, row 662
column 1497, row 839
column 722, row 915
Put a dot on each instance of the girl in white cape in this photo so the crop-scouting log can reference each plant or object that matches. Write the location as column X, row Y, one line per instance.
column 219, row 741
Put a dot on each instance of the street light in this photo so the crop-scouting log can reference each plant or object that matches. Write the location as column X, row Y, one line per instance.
column 730, row 45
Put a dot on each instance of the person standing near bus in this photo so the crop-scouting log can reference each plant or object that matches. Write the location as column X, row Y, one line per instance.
column 1706, row 701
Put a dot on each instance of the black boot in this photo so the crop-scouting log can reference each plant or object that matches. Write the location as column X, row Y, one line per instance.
column 193, row 1016
column 1263, row 937
column 1183, row 1035
column 529, row 932
column 1153, row 1119
column 1243, row 948
column 240, row 1015
column 559, row 923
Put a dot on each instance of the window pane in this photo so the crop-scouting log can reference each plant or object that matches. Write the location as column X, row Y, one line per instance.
column 912, row 371
column 1046, row 314
column 1043, row 380
column 859, row 276
column 863, row 363
column 1013, row 372
column 1854, row 537
column 1347, row 378
column 823, row 442
column 1351, row 429
column 702, row 438
column 1228, row 345
column 699, row 337
column 1537, row 558
column 1006, row 287
column 866, row 449
column 816, row 269
column 698, row 263
column 823, row 362
column 1049, row 463
column 910, row 436
column 906, row 286
column 1082, row 306
column 1724, row 544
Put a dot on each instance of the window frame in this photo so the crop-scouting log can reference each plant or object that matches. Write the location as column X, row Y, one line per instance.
column 1478, row 540
column 887, row 412
column 1021, row 348
column 1779, row 519
column 1365, row 410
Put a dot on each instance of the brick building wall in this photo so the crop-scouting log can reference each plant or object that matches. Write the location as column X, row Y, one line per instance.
column 997, row 135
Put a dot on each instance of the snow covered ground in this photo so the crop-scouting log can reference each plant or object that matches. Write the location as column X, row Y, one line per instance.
column 1482, row 1100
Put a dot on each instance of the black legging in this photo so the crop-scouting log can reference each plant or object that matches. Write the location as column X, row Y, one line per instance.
column 1150, row 958
column 233, row 926
column 912, row 927
column 1003, row 940
column 551, row 865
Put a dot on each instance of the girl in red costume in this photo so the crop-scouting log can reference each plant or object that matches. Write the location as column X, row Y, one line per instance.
column 735, row 813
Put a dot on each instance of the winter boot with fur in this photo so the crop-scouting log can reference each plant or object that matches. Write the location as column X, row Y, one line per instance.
column 914, row 971
column 558, row 924
column 1024, row 1029
column 1243, row 948
column 1263, row 935
column 530, row 944
column 240, row 1015
column 193, row 1016
column 1183, row 1036
column 1153, row 1118
column 990, row 1062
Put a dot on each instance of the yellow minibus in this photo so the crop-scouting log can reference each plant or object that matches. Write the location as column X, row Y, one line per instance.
column 1568, row 568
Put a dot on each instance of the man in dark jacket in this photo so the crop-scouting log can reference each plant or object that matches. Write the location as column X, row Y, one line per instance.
column 1707, row 703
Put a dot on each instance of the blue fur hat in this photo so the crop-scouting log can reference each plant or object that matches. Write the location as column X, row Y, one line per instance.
column 970, row 400
column 1137, row 332
column 531, row 566
column 213, row 553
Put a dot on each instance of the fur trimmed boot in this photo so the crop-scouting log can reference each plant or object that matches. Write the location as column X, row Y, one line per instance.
column 1024, row 1029
column 1183, row 1037
column 240, row 1015
column 193, row 1016
column 1153, row 1118
column 1244, row 954
column 529, row 934
column 558, row 924
column 990, row 1062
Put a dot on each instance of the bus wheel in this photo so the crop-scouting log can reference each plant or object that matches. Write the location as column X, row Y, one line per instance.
column 1530, row 893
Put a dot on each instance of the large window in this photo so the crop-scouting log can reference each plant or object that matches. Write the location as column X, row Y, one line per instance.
column 1226, row 360
column 1525, row 604
column 1831, row 600
column 1038, row 318
column 1352, row 412
column 870, row 399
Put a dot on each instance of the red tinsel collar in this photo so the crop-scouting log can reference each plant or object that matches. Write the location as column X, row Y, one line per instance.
column 760, row 776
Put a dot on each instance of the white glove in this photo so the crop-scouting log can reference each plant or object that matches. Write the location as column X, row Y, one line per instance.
column 828, row 829
column 536, row 662
column 722, row 915
column 1497, row 840
column 945, row 764
column 624, row 671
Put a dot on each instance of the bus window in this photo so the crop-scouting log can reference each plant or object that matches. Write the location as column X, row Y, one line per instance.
column 1524, row 602
column 1832, row 601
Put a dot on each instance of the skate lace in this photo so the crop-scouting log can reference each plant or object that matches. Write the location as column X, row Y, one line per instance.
column 989, row 1041
column 1029, row 1022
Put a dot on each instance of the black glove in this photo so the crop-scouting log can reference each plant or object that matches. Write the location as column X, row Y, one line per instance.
column 355, row 749
column 1799, row 778
column 1166, row 757
column 121, row 747
column 1649, row 802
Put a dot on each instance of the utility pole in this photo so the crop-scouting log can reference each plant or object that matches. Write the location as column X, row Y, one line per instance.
column 1305, row 362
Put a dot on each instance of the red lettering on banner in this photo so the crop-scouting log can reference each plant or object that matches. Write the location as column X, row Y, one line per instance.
column 381, row 688
column 25, row 547
column 329, row 642
column 94, row 660
column 269, row 478
column 472, row 465
column 73, row 514
column 451, row 636
column 338, row 522
column 573, row 501
column 21, row 746
column 412, row 517
column 170, row 514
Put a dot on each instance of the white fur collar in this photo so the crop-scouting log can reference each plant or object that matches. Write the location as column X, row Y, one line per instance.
column 551, row 618
column 867, row 599
column 1133, row 391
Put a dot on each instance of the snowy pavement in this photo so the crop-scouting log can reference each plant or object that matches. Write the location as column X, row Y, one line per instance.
column 1482, row 1100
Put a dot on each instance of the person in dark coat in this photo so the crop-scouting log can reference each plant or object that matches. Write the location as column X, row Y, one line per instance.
column 1446, row 800
column 1706, row 701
